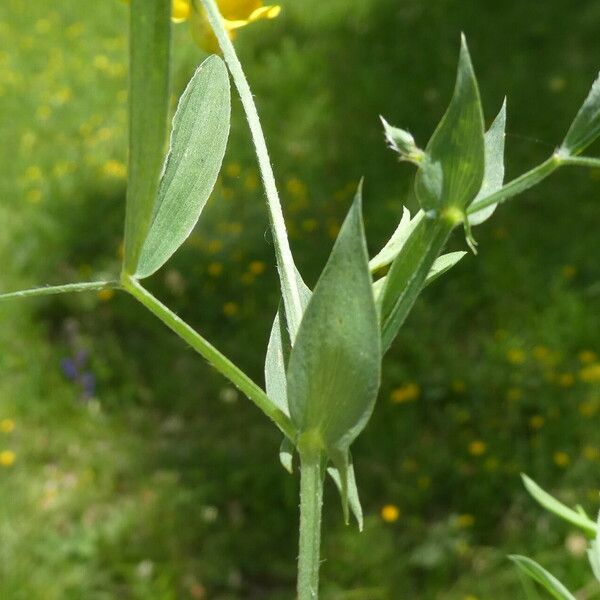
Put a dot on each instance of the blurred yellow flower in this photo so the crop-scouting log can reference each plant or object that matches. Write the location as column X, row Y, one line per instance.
column 7, row 425
column 257, row 267
column 561, row 459
column 590, row 374
column 406, row 393
column 565, row 380
column 464, row 521
column 537, row 422
column 105, row 295
column 7, row 458
column 515, row 356
column 230, row 309
column 236, row 14
column 390, row 513
column 587, row 356
column 477, row 448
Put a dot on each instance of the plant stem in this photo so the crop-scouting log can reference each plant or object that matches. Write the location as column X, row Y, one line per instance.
column 582, row 161
column 149, row 68
column 62, row 289
column 283, row 253
column 520, row 184
column 219, row 361
column 311, row 504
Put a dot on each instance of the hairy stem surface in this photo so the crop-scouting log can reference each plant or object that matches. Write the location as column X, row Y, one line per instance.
column 285, row 260
column 311, row 504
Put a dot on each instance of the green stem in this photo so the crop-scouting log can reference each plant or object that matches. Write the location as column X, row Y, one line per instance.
column 219, row 361
column 520, row 184
column 582, row 161
column 283, row 253
column 149, row 67
column 311, row 504
column 62, row 289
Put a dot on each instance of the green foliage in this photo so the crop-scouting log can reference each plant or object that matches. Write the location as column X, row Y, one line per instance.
column 408, row 274
column 586, row 125
column 452, row 170
column 334, row 366
column 558, row 508
column 198, row 142
column 493, row 176
column 544, row 578
column 150, row 66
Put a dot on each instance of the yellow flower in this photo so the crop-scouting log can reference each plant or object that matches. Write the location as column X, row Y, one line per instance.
column 230, row 309
column 7, row 458
column 587, row 356
column 561, row 459
column 537, row 422
column 7, row 425
column 406, row 393
column 257, row 267
column 236, row 14
column 590, row 374
column 515, row 356
column 464, row 521
column 477, row 448
column 390, row 513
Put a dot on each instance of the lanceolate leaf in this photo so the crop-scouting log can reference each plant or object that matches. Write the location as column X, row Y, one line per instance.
column 351, row 491
column 276, row 361
column 551, row 504
column 395, row 243
column 198, row 142
column 586, row 125
column 334, row 367
column 408, row 274
column 493, row 177
column 544, row 578
column 441, row 265
column 149, row 68
column 278, row 351
column 452, row 169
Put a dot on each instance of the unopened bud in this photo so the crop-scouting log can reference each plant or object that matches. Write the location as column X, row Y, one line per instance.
column 403, row 143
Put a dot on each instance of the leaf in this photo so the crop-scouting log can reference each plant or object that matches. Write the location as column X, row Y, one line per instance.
column 441, row 265
column 452, row 169
column 585, row 128
column 493, row 176
column 398, row 239
column 408, row 274
column 594, row 552
column 286, row 455
column 351, row 498
column 278, row 352
column 198, row 141
column 334, row 368
column 150, row 43
column 544, row 578
column 558, row 508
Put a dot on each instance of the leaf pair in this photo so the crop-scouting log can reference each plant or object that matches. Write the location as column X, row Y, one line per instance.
column 333, row 370
column 198, row 141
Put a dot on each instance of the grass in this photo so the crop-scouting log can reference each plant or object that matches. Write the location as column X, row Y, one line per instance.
column 166, row 484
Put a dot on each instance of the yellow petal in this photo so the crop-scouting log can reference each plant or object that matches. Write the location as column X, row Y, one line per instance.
column 180, row 10
column 265, row 12
column 238, row 10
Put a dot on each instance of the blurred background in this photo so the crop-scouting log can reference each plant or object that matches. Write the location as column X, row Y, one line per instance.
column 130, row 469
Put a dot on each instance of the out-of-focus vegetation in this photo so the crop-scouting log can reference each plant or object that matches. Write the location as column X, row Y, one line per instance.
column 128, row 469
